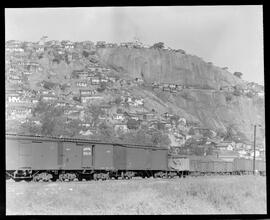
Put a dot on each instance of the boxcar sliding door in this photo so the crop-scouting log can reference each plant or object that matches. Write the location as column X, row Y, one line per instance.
column 87, row 155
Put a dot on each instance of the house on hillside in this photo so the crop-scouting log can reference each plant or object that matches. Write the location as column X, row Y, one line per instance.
column 172, row 86
column 89, row 98
column 61, row 104
column 224, row 146
column 227, row 88
column 167, row 115
column 48, row 98
column 133, row 116
column 257, row 153
column 104, row 80
column 101, row 44
column 139, row 80
column 179, row 87
column 227, row 155
column 166, row 89
column 150, row 116
column 82, row 75
column 69, row 45
column 95, row 81
column 182, row 121
column 111, row 45
column 81, row 84
column 39, row 48
column 21, row 112
column 242, row 153
column 13, row 97
column 261, row 94
column 118, row 116
column 91, row 68
column 88, row 92
column 14, row 46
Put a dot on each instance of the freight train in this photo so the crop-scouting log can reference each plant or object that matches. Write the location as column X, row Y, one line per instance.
column 38, row 158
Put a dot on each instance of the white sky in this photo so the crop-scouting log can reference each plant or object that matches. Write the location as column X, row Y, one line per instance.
column 230, row 36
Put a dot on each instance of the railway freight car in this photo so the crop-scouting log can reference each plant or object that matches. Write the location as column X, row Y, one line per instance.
column 209, row 165
column 65, row 159
column 245, row 166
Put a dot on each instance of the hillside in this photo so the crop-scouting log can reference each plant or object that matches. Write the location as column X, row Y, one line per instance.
column 138, row 94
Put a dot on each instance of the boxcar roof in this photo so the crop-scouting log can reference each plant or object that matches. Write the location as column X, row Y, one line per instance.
column 80, row 140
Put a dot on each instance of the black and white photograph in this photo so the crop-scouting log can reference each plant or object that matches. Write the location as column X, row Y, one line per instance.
column 135, row 110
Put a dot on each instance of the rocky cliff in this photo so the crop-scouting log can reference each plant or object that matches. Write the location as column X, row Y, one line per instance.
column 168, row 67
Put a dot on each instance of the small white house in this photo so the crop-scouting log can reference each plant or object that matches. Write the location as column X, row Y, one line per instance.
column 119, row 117
column 257, row 153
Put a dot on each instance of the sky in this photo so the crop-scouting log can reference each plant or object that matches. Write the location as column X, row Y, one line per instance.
column 227, row 36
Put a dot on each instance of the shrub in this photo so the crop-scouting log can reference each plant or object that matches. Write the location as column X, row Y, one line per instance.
column 56, row 60
column 181, row 51
column 228, row 97
column 85, row 53
column 250, row 94
column 159, row 45
column 238, row 74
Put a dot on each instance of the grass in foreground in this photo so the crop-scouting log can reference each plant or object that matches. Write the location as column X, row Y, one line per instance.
column 193, row 195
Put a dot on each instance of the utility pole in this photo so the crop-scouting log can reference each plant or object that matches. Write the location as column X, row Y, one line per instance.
column 254, row 149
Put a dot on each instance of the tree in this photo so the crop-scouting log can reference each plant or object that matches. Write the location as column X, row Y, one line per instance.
column 12, row 126
column 237, row 92
column 160, row 126
column 159, row 45
column 158, row 138
column 48, row 85
column 106, row 132
column 102, row 87
column 133, row 124
column 30, row 127
column 117, row 100
column 230, row 133
column 76, row 98
column 95, row 111
column 238, row 74
column 250, row 94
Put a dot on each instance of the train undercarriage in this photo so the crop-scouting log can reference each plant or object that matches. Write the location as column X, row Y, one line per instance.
column 86, row 175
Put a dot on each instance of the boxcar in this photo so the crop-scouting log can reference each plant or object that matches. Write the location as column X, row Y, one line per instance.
column 242, row 165
column 260, row 166
column 209, row 165
column 77, row 158
column 31, row 154
column 146, row 158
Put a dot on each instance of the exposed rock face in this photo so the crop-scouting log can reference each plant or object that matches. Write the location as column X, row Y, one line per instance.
column 210, row 107
column 168, row 67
